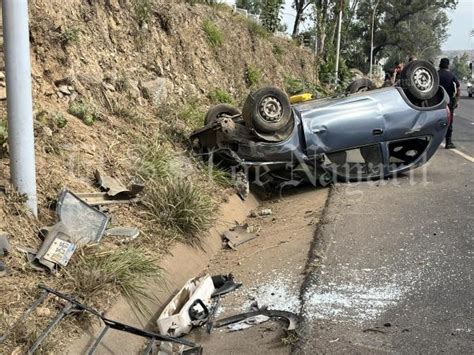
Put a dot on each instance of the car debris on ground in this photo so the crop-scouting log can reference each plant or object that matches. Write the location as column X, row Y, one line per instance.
column 113, row 191
column 238, row 235
column 262, row 213
column 72, row 306
column 123, row 234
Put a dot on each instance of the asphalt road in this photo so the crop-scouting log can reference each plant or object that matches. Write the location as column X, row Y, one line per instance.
column 463, row 134
column 394, row 261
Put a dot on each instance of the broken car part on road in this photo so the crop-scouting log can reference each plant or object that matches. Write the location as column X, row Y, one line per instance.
column 291, row 318
column 238, row 235
column 189, row 308
column 368, row 135
column 72, row 306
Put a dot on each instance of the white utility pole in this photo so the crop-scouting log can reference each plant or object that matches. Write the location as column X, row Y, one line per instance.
column 338, row 51
column 372, row 39
column 19, row 99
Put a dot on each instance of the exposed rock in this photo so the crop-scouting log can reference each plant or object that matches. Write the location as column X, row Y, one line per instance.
column 156, row 91
column 43, row 312
column 3, row 93
column 2, row 76
column 108, row 86
column 64, row 89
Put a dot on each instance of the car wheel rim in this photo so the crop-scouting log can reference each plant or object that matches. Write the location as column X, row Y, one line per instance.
column 423, row 80
column 271, row 109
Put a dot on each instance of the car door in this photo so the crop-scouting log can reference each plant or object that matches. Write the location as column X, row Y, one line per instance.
column 341, row 124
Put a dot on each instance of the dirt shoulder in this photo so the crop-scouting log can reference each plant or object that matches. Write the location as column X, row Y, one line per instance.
column 272, row 270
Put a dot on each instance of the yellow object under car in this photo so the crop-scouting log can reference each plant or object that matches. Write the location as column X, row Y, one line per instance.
column 300, row 98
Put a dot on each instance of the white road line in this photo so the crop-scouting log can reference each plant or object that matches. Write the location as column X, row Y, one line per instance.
column 458, row 152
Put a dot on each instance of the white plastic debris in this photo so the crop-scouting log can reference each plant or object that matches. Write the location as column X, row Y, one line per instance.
column 175, row 320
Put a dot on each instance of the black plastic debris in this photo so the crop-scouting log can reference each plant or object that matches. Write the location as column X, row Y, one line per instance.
column 290, row 317
column 224, row 284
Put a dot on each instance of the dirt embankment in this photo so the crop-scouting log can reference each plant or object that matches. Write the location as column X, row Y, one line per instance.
column 118, row 85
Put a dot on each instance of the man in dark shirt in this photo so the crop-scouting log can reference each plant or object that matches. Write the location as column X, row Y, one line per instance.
column 449, row 82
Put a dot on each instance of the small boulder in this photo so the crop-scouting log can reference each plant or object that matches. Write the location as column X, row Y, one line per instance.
column 156, row 91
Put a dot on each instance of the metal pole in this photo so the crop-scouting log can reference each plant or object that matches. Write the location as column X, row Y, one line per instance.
column 372, row 39
column 19, row 99
column 339, row 42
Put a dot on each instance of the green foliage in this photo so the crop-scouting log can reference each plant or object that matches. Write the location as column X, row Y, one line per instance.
column 59, row 120
column 460, row 66
column 192, row 114
column 3, row 137
column 252, row 6
column 84, row 112
column 220, row 96
column 125, row 270
column 295, row 86
column 278, row 51
column 142, row 10
column 270, row 14
column 418, row 28
column 257, row 30
column 53, row 120
column 154, row 163
column 70, row 36
column 213, row 33
column 180, row 207
column 253, row 75
column 220, row 177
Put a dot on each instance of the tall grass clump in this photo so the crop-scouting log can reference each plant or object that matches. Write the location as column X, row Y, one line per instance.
column 214, row 35
column 180, row 207
column 126, row 270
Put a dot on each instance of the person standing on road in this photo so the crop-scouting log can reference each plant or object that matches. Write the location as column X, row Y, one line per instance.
column 451, row 84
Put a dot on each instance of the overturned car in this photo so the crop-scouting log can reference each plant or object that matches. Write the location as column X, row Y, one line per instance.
column 367, row 135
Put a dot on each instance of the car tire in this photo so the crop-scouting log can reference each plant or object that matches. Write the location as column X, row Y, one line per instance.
column 220, row 110
column 360, row 85
column 420, row 79
column 267, row 110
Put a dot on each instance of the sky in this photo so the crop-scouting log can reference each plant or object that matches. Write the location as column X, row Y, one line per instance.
column 462, row 22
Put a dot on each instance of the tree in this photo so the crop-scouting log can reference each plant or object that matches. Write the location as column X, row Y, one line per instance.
column 270, row 14
column 300, row 7
column 252, row 6
column 402, row 27
column 460, row 66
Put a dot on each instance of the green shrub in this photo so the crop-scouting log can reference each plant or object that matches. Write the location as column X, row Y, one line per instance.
column 192, row 114
column 142, row 10
column 70, row 35
column 154, row 160
column 180, row 207
column 220, row 96
column 278, row 51
column 3, row 137
column 257, row 30
column 253, row 76
column 84, row 112
column 213, row 33
column 295, row 86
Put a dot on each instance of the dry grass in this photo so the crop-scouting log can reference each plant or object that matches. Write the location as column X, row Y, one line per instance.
column 95, row 273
